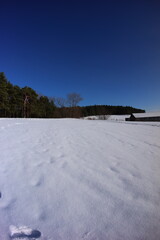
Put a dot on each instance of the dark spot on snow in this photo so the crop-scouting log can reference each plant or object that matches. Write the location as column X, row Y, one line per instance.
column 113, row 169
column 0, row 194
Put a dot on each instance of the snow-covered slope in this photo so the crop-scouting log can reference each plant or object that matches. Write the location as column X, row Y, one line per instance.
column 76, row 179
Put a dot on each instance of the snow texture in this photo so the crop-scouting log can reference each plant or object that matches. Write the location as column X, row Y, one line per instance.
column 80, row 180
column 23, row 232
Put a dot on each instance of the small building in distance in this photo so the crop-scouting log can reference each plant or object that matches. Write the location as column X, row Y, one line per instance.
column 143, row 118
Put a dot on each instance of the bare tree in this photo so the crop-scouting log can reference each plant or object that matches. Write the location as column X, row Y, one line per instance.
column 73, row 99
column 60, row 102
column 25, row 106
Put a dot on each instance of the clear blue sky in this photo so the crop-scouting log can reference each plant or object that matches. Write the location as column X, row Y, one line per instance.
column 106, row 50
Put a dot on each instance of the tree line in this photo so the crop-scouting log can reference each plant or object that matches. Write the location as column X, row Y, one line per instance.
column 16, row 102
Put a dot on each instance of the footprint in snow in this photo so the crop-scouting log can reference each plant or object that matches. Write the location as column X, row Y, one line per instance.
column 7, row 203
column 36, row 181
column 40, row 215
column 23, row 232
column 86, row 235
column 45, row 150
column 51, row 160
column 113, row 169
column 56, row 159
column 64, row 165
column 60, row 155
column 38, row 164
column 135, row 175
column 89, row 235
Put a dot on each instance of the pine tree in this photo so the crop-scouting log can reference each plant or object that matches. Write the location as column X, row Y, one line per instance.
column 4, row 100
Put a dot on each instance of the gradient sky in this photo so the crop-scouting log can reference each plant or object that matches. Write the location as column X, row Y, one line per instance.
column 108, row 51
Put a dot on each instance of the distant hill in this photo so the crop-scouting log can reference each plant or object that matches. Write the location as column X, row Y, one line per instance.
column 109, row 110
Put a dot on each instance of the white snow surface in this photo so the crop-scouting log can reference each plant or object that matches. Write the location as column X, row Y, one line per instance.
column 18, row 230
column 77, row 179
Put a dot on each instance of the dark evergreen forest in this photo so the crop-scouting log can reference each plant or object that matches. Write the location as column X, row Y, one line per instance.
column 16, row 102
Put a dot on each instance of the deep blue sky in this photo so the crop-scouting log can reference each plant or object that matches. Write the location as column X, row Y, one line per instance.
column 108, row 51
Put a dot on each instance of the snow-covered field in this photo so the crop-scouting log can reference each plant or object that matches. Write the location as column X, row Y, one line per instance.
column 78, row 179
